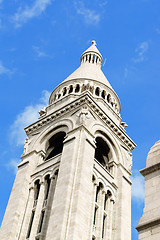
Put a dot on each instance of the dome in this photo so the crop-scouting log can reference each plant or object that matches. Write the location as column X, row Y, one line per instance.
column 153, row 155
column 90, row 68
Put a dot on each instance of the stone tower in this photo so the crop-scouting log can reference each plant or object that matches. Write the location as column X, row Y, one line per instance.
column 149, row 224
column 74, row 179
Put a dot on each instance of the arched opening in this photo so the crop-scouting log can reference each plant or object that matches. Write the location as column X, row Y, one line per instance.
column 93, row 60
column 70, row 89
column 108, row 98
column 77, row 88
column 103, row 94
column 37, row 189
column 102, row 152
column 55, row 145
column 47, row 186
column 97, row 91
column 64, row 91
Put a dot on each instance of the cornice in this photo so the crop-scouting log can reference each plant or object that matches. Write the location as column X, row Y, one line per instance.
column 85, row 99
column 148, row 170
column 148, row 224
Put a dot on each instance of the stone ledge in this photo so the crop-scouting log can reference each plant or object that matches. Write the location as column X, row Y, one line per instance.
column 148, row 224
column 148, row 170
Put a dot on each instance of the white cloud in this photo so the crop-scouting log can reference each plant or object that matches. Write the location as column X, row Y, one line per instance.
column 91, row 17
column 23, row 15
column 28, row 116
column 140, row 51
column 137, row 187
column 12, row 165
column 39, row 52
column 4, row 70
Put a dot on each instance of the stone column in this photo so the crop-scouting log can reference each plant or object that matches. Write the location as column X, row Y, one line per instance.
column 93, row 230
column 100, row 215
column 25, row 224
column 37, row 212
column 109, row 220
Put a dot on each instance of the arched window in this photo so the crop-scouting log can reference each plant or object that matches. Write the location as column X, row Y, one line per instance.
column 97, row 205
column 103, row 94
column 108, row 98
column 64, row 91
column 97, row 91
column 93, row 60
column 45, row 202
column 36, row 195
column 101, row 152
column 70, row 89
column 77, row 88
column 55, row 145
column 37, row 188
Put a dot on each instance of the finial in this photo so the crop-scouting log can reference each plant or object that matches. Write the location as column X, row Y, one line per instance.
column 94, row 42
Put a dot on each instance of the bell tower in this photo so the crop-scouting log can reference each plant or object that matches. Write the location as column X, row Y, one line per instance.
column 73, row 182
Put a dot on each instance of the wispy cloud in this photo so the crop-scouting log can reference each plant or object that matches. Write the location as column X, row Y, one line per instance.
column 137, row 187
column 141, row 51
column 4, row 70
column 12, row 165
column 28, row 116
column 91, row 17
column 103, row 3
column 27, row 13
column 39, row 53
column 157, row 30
column 126, row 72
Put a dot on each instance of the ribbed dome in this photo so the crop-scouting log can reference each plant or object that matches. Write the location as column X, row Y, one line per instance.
column 90, row 68
column 153, row 155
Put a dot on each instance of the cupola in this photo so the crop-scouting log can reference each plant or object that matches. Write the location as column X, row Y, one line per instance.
column 92, row 55
column 88, row 77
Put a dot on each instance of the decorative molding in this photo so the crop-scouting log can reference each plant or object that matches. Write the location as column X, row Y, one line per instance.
column 148, row 224
column 148, row 170
column 85, row 99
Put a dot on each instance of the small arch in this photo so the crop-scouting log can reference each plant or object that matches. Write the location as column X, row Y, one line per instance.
column 70, row 88
column 55, row 145
column 64, row 91
column 108, row 98
column 77, row 88
column 97, row 91
column 59, row 95
column 102, row 152
column 103, row 94
column 93, row 60
column 89, row 58
column 36, row 189
column 47, row 186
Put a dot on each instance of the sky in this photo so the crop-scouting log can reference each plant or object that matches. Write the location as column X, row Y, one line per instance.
column 41, row 42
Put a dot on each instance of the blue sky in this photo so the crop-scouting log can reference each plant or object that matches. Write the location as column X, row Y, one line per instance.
column 41, row 42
